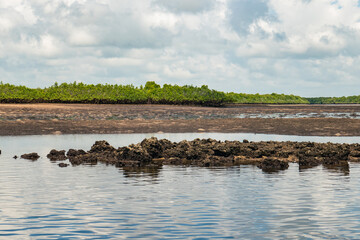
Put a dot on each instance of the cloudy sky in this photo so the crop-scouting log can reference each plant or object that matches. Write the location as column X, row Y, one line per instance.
column 302, row 47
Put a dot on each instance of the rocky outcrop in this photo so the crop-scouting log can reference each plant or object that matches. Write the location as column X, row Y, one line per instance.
column 30, row 156
column 269, row 156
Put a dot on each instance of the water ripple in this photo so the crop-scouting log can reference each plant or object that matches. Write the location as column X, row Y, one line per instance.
column 38, row 200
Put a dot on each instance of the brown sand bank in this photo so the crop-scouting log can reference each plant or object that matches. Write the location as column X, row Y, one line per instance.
column 35, row 119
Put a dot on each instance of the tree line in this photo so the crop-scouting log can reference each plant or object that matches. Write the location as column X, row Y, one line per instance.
column 150, row 93
column 334, row 100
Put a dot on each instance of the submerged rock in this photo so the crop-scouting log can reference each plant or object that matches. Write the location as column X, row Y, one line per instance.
column 63, row 165
column 30, row 156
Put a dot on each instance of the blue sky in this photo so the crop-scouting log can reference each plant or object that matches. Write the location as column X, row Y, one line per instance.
column 302, row 47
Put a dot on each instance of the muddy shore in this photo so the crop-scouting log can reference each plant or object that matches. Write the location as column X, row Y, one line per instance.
column 37, row 119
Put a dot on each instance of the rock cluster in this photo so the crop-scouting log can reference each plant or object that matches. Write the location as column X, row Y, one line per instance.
column 269, row 156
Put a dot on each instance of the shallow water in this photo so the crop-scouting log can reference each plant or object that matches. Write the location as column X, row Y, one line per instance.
column 39, row 200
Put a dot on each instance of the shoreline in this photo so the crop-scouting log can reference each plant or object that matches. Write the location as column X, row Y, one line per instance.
column 45, row 119
column 299, row 127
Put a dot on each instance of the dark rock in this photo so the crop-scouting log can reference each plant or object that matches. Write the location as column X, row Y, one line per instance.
column 63, row 165
column 273, row 165
column 133, row 155
column 355, row 153
column 73, row 153
column 101, row 146
column 178, row 151
column 306, row 161
column 222, row 150
column 268, row 155
column 245, row 141
column 55, row 155
column 15, row 157
column 87, row 158
column 153, row 147
column 30, row 156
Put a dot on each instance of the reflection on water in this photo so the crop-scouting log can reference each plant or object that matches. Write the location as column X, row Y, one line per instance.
column 39, row 200
column 152, row 172
column 341, row 169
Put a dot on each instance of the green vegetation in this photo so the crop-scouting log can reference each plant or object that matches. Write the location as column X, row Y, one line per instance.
column 150, row 93
column 88, row 93
column 334, row 100
column 266, row 98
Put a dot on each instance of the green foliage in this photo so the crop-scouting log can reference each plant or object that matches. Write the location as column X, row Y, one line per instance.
column 334, row 100
column 151, row 85
column 266, row 98
column 89, row 93
column 150, row 93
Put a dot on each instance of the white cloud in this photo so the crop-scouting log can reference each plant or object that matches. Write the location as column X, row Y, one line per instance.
column 81, row 37
column 295, row 46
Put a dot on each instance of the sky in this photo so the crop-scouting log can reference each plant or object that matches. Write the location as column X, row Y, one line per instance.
column 301, row 47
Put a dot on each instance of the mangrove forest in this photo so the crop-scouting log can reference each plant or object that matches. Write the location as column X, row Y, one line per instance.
column 150, row 93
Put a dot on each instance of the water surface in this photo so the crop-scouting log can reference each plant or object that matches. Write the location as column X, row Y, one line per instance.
column 39, row 200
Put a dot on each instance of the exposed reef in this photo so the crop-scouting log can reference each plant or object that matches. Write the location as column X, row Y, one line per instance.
column 269, row 156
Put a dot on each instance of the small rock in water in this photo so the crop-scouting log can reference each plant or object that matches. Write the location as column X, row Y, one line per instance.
column 15, row 157
column 30, row 156
column 55, row 155
column 63, row 165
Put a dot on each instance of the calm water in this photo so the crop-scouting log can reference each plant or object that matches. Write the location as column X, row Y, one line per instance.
column 39, row 200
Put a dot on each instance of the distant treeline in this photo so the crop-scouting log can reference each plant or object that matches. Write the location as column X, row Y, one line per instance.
column 334, row 100
column 273, row 98
column 150, row 93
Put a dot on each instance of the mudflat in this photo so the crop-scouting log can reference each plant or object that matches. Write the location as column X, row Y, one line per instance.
column 310, row 120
